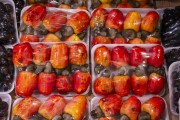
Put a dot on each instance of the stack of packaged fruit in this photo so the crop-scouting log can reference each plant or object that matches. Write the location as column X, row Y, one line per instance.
column 69, row 51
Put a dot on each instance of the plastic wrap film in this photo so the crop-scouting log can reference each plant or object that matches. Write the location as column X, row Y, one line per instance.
column 8, row 24
column 127, row 69
column 46, row 68
column 113, row 107
column 125, row 26
column 93, row 4
column 51, row 107
column 170, row 26
column 173, row 82
column 45, row 24
column 65, row 4
column 7, row 70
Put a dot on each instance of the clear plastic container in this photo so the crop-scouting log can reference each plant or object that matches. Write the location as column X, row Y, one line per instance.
column 61, row 4
column 125, row 11
column 115, row 71
column 42, row 99
column 69, row 94
column 69, row 12
column 95, row 100
column 7, row 98
column 90, row 2
column 173, row 67
column 13, row 16
column 14, row 76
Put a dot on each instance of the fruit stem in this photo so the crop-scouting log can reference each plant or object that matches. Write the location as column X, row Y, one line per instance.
column 97, row 113
column 48, row 68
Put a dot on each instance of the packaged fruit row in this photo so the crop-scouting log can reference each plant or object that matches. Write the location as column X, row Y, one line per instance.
column 93, row 4
column 122, row 26
column 114, row 107
column 54, row 107
column 44, row 24
column 110, row 107
column 51, row 68
column 127, row 69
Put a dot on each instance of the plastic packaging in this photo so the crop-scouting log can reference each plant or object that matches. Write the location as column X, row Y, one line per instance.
column 9, row 33
column 7, row 71
column 173, row 81
column 125, row 26
column 58, row 25
column 93, row 4
column 42, row 100
column 108, row 65
column 65, row 4
column 173, row 52
column 7, row 98
column 68, row 70
column 95, row 100
column 171, row 26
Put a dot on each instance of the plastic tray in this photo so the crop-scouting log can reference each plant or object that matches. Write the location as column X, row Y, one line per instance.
column 42, row 99
column 90, row 2
column 7, row 98
column 13, row 16
column 94, row 104
column 52, row 9
column 111, row 46
column 173, row 67
column 14, row 76
column 56, row 3
column 142, row 11
column 69, row 94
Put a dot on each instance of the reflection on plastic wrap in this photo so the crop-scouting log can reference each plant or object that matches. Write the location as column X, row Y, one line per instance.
column 121, row 26
column 113, row 107
column 52, row 67
column 128, row 69
column 39, row 23
column 51, row 107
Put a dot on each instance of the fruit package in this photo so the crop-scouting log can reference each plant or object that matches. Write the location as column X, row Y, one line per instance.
column 51, row 68
column 113, row 107
column 125, row 26
column 54, row 107
column 5, row 106
column 46, row 24
column 174, row 53
column 8, row 25
column 170, row 32
column 65, row 4
column 128, row 69
column 7, row 70
column 174, row 86
column 93, row 4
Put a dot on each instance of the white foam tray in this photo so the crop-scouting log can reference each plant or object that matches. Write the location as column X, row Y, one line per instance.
column 142, row 11
column 69, row 12
column 111, row 46
column 69, row 94
column 42, row 99
column 94, row 104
